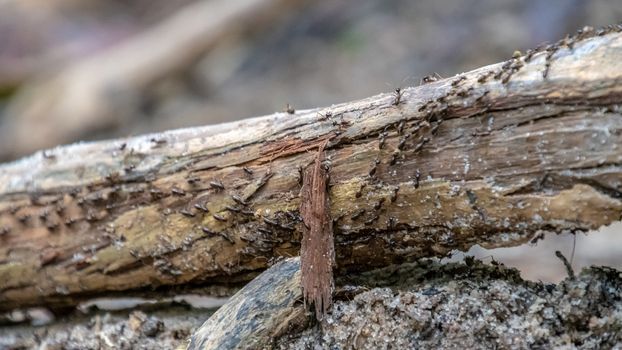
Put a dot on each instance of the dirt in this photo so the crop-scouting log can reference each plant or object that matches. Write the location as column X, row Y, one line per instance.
column 163, row 329
column 434, row 306
column 424, row 305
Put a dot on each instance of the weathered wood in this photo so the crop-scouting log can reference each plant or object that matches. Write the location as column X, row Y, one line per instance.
column 490, row 157
column 263, row 310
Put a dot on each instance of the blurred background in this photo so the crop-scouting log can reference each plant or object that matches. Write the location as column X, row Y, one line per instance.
column 76, row 70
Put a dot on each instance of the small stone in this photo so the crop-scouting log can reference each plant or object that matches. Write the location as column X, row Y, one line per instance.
column 152, row 327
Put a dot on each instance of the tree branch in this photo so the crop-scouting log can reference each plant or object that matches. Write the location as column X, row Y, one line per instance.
column 489, row 157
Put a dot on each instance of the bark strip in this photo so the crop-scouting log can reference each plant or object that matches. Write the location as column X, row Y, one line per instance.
column 317, row 253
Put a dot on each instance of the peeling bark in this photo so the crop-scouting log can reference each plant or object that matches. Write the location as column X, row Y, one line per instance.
column 317, row 253
column 491, row 157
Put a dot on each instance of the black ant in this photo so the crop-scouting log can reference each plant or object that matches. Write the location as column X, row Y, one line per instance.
column 233, row 209
column 219, row 217
column 217, row 185
column 239, row 200
column 4, row 230
column 326, row 115
column 381, row 139
column 193, row 180
column 371, row 220
column 397, row 98
column 187, row 213
column 457, row 81
column 359, row 193
column 372, row 171
column 417, row 177
column 289, row 109
column 48, row 155
column 394, row 157
column 393, row 197
column 270, row 222
column 357, row 214
column 178, row 191
column 392, row 222
column 430, row 78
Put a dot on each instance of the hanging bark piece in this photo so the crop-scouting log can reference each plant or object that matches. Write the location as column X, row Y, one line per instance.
column 317, row 248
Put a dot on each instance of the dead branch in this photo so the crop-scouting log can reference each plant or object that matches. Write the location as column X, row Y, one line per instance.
column 490, row 157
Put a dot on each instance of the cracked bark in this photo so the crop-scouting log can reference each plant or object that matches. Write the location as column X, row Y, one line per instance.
column 491, row 157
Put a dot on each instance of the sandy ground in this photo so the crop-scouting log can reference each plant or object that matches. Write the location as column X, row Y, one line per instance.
column 473, row 307
column 155, row 329
column 426, row 305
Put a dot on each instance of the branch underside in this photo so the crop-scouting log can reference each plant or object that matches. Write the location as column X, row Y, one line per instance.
column 475, row 159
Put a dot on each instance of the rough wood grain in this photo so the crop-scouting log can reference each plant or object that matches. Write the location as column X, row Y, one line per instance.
column 490, row 157
column 263, row 310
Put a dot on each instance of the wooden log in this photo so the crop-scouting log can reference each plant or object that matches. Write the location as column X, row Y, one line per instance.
column 490, row 157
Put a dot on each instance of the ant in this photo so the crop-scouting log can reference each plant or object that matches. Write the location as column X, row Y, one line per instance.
column 397, row 98
column 217, row 185
column 289, row 109
column 430, row 78
column 325, row 116
column 458, row 81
